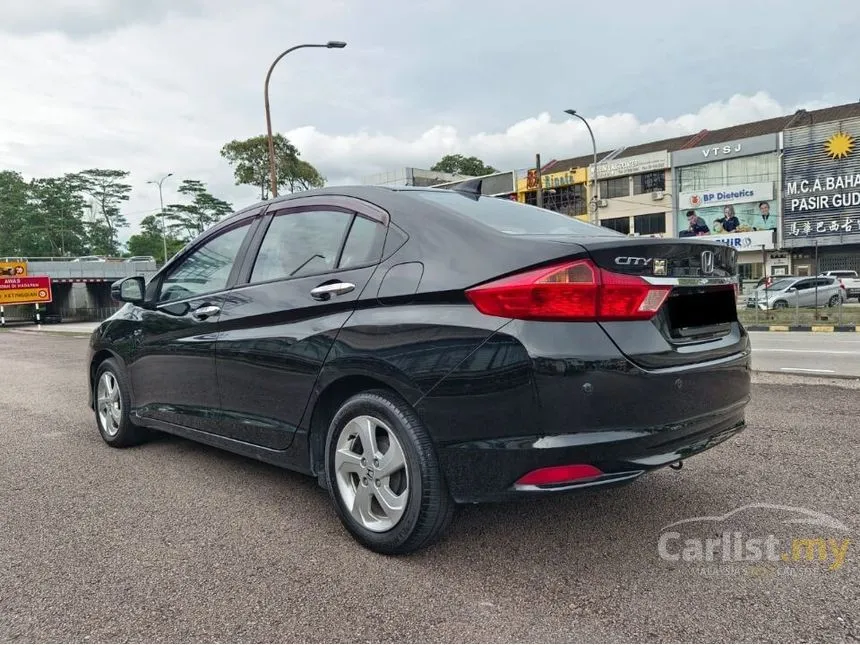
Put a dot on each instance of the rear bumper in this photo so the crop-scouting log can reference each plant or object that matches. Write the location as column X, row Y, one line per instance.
column 487, row 471
column 557, row 395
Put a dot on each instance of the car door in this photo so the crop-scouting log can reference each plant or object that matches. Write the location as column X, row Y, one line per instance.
column 311, row 265
column 827, row 288
column 173, row 368
column 803, row 294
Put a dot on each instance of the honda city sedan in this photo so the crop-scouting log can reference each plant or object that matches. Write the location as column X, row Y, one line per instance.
column 416, row 349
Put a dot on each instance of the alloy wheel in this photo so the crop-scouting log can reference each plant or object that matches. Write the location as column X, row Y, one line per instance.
column 109, row 403
column 371, row 473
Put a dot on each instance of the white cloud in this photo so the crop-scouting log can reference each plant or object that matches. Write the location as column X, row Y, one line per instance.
column 351, row 157
column 160, row 87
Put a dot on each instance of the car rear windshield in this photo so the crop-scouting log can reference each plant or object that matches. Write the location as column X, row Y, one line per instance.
column 511, row 217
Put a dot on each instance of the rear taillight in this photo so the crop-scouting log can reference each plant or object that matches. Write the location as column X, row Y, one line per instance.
column 574, row 291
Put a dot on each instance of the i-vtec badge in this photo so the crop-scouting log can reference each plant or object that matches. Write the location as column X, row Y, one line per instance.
column 631, row 261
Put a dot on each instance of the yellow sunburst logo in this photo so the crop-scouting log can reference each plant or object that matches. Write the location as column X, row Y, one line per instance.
column 839, row 146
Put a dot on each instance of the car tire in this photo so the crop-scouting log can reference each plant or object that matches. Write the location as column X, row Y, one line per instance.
column 112, row 403
column 418, row 508
column 834, row 300
column 780, row 304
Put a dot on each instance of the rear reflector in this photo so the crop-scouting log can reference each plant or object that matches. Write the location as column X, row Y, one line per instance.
column 574, row 291
column 556, row 475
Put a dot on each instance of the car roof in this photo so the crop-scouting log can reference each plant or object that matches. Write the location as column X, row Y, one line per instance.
column 368, row 193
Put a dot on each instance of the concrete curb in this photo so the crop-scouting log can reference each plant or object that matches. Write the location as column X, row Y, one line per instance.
column 812, row 328
column 806, row 376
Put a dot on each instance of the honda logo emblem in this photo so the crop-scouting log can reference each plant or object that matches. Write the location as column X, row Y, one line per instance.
column 707, row 262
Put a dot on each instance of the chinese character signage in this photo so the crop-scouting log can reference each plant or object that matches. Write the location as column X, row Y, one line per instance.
column 822, row 184
column 746, row 208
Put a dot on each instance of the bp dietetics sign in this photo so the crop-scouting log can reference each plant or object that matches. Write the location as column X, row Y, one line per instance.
column 822, row 184
column 728, row 195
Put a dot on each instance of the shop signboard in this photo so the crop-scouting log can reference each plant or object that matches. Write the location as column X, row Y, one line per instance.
column 752, row 241
column 728, row 210
column 822, row 184
column 728, row 150
column 635, row 165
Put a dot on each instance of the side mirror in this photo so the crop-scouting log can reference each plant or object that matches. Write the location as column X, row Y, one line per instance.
column 129, row 290
column 790, row 289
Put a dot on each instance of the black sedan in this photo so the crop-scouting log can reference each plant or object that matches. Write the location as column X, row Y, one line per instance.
column 414, row 349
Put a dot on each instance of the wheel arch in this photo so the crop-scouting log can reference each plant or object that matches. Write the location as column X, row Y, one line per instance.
column 99, row 357
column 333, row 388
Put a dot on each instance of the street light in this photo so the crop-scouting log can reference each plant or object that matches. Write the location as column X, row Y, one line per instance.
column 332, row 44
column 596, row 187
column 161, row 201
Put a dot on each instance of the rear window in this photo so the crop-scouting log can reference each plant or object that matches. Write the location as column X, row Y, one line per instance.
column 511, row 217
column 781, row 285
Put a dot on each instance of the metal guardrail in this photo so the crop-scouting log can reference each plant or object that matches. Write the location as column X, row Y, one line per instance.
column 841, row 314
column 95, row 270
column 27, row 313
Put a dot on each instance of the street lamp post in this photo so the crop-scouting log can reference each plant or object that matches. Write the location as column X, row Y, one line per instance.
column 596, row 186
column 332, row 44
column 161, row 201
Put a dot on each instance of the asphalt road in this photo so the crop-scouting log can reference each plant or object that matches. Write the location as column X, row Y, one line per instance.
column 175, row 542
column 818, row 354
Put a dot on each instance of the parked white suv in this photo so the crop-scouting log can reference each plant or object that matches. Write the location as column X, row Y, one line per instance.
column 849, row 280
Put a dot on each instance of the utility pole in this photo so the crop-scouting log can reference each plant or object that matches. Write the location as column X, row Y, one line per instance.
column 539, row 181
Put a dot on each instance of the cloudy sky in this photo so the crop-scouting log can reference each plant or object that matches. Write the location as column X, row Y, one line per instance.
column 159, row 86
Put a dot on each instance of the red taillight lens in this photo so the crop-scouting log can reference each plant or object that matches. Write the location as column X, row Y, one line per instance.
column 556, row 475
column 575, row 291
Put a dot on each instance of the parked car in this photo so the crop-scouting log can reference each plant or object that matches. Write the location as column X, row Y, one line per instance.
column 90, row 258
column 140, row 258
column 766, row 281
column 849, row 280
column 798, row 292
column 414, row 349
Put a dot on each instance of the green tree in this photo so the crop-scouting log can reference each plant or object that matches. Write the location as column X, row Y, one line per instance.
column 149, row 242
column 15, row 237
column 460, row 165
column 250, row 161
column 109, row 190
column 189, row 220
column 101, row 240
column 56, row 212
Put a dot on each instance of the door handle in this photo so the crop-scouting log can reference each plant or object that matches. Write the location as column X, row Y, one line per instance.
column 205, row 312
column 325, row 291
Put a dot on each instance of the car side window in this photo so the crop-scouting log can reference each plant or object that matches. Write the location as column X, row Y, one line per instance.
column 363, row 244
column 206, row 269
column 301, row 243
column 803, row 284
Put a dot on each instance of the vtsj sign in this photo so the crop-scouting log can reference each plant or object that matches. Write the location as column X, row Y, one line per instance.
column 752, row 241
column 728, row 195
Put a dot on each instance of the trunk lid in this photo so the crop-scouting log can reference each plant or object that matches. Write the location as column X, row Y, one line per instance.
column 698, row 322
